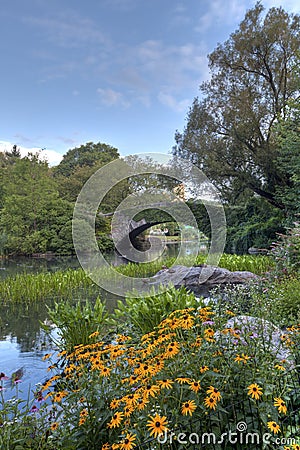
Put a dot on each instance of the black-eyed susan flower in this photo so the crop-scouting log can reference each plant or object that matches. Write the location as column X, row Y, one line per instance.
column 54, row 426
column 59, row 396
column 105, row 371
column 47, row 356
column 274, row 427
column 116, row 420
column 280, row 367
column 128, row 442
column 280, row 404
column 105, row 446
column 84, row 413
column 242, row 359
column 172, row 349
column 128, row 410
column 165, row 384
column 151, row 390
column 195, row 386
column 186, row 321
column 214, row 392
column 255, row 391
column 93, row 335
column 188, row 407
column 296, row 446
column 114, row 403
column 182, row 380
column 204, row 369
column 210, row 402
column 157, row 425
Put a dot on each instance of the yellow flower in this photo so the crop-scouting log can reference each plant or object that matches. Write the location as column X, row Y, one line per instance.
column 195, row 386
column 280, row 404
column 210, row 402
column 105, row 371
column 127, row 443
column 280, row 367
column 115, row 420
column 47, row 356
column 172, row 349
column 157, row 425
column 150, row 390
column 244, row 358
column 54, row 426
column 273, row 426
column 255, row 391
column 214, row 392
column 296, row 446
column 114, row 403
column 81, row 421
column 165, row 384
column 95, row 334
column 203, row 369
column 182, row 380
column 186, row 322
column 188, row 407
column 59, row 396
column 105, row 446
column 84, row 413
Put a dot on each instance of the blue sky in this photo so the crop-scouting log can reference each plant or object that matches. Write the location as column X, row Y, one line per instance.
column 123, row 72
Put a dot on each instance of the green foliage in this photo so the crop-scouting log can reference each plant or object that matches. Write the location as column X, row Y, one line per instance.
column 253, row 224
column 24, row 423
column 231, row 130
column 283, row 299
column 289, row 158
column 191, row 357
column 286, row 251
column 29, row 288
column 143, row 315
column 77, row 322
column 87, row 155
column 32, row 213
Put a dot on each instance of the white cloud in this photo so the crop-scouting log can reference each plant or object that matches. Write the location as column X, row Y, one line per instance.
column 171, row 102
column 52, row 156
column 109, row 97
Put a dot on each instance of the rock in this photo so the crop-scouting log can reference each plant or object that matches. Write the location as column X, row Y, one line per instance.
column 200, row 279
column 265, row 332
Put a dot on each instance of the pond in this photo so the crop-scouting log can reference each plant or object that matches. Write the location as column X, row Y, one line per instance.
column 23, row 342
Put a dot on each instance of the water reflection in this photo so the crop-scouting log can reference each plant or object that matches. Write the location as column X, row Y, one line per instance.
column 22, row 341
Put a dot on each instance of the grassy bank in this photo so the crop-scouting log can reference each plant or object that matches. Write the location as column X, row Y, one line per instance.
column 30, row 288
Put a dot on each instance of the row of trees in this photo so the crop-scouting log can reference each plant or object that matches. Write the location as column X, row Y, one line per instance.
column 37, row 201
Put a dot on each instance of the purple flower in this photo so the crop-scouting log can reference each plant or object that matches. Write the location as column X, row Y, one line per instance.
column 208, row 322
column 34, row 409
column 3, row 376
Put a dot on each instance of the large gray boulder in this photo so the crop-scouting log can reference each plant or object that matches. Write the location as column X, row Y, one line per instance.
column 200, row 279
column 265, row 332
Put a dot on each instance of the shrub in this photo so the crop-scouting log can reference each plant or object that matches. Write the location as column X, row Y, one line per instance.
column 191, row 373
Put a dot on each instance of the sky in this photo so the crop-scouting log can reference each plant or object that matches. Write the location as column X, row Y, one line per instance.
column 121, row 72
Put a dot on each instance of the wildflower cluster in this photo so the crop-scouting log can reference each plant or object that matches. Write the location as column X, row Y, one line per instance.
column 192, row 367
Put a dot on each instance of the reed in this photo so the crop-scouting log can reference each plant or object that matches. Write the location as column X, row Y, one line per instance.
column 29, row 288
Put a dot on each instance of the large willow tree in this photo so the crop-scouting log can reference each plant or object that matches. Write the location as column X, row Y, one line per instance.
column 231, row 127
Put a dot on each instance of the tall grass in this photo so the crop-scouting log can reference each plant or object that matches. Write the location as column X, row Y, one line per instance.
column 29, row 288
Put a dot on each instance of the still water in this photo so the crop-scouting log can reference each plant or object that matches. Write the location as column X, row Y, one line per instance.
column 23, row 342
